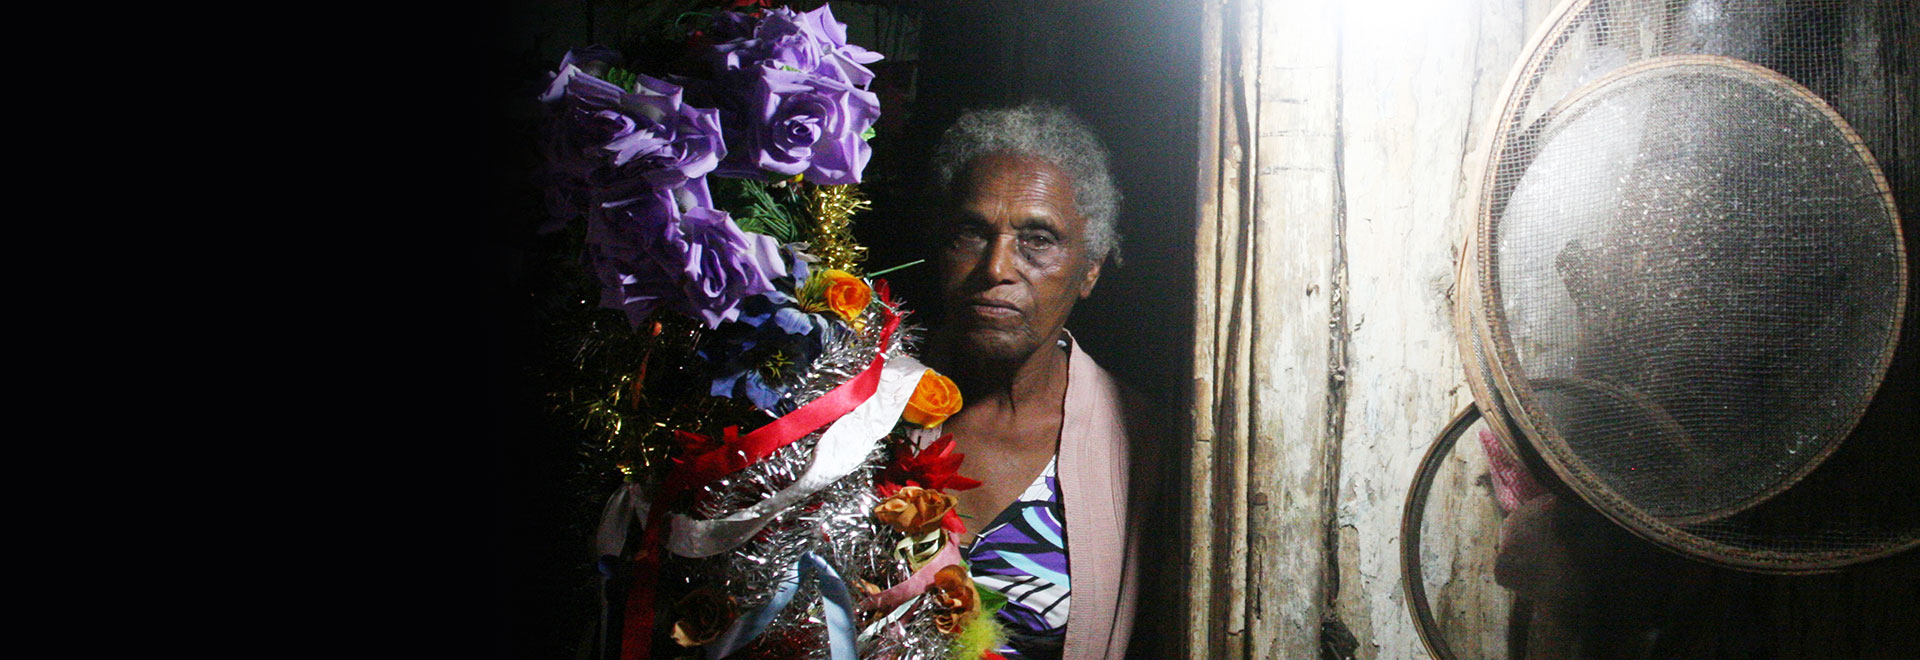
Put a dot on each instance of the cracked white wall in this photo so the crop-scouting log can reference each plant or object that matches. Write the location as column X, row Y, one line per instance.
column 1417, row 80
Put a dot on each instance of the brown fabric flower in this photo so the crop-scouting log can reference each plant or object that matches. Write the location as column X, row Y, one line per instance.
column 704, row 614
column 864, row 590
column 914, row 510
column 953, row 593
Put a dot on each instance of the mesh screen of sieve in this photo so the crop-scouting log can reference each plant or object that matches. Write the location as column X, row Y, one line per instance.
column 1690, row 283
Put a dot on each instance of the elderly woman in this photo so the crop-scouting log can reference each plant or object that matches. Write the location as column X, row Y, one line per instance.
column 1028, row 219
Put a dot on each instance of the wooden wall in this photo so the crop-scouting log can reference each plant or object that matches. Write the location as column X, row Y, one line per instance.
column 1416, row 84
column 1324, row 354
column 1337, row 144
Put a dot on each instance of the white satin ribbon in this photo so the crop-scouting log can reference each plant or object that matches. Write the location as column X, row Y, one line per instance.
column 627, row 505
column 842, row 449
column 890, row 619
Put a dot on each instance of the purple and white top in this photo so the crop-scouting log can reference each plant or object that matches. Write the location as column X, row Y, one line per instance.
column 1022, row 555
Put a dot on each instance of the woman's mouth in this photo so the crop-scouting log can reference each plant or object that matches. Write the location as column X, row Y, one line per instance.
column 993, row 309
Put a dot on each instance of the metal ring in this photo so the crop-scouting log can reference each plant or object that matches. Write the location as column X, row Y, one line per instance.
column 1410, row 521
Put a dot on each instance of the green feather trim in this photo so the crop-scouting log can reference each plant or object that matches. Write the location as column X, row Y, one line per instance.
column 983, row 633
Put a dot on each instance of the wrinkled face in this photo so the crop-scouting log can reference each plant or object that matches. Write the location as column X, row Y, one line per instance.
column 1015, row 260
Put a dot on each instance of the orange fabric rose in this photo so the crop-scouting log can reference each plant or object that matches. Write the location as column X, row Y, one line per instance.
column 914, row 510
column 934, row 400
column 952, row 591
column 847, row 295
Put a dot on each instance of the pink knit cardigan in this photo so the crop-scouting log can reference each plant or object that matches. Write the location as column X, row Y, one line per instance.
column 1102, row 543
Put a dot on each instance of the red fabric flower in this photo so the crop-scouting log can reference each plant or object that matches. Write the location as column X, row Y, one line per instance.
column 951, row 522
column 694, row 444
column 937, row 467
column 695, row 447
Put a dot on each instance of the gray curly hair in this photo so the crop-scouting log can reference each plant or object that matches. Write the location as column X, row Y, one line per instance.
column 1048, row 132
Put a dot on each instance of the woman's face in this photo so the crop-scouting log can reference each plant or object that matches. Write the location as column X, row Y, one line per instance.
column 1015, row 261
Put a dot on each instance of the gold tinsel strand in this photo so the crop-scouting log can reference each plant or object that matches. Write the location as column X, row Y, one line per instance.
column 831, row 237
column 624, row 390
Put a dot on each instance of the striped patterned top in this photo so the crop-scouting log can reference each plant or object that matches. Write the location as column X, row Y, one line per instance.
column 1022, row 554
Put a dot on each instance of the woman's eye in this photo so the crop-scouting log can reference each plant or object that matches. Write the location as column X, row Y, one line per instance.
column 1038, row 241
column 968, row 237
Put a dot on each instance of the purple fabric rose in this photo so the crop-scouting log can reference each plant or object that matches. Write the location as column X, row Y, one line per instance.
column 623, row 142
column 848, row 59
column 578, row 138
column 669, row 248
column 577, row 82
column 577, row 132
column 573, row 145
column 668, row 142
column 811, row 42
column 797, row 123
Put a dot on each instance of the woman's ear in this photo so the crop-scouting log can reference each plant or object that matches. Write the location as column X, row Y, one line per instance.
column 1093, row 277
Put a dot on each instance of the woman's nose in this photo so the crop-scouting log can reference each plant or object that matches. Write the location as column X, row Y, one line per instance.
column 1001, row 253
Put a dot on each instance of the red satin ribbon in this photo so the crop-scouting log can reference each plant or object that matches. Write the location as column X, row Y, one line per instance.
column 636, row 635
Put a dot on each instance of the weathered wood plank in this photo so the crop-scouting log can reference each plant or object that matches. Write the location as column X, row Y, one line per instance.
column 1296, row 206
column 1230, row 630
column 1201, row 535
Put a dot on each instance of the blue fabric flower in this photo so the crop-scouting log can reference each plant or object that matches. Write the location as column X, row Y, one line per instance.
column 761, row 356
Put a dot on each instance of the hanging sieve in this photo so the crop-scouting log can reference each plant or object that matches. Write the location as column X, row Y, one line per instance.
column 1491, row 408
column 1688, row 281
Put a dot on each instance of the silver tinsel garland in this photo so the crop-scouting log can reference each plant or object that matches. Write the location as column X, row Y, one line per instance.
column 836, row 523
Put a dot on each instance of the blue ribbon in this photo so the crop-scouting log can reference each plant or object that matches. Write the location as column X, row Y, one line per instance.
column 838, row 606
